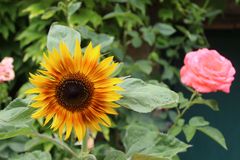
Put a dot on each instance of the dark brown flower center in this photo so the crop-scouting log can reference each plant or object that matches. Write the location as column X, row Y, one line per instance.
column 74, row 92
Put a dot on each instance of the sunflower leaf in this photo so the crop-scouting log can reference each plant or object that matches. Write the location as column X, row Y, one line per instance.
column 15, row 119
column 115, row 154
column 59, row 33
column 36, row 155
column 144, row 97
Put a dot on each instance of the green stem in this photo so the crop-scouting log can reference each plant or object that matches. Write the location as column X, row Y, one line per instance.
column 84, row 151
column 181, row 114
column 56, row 142
column 188, row 106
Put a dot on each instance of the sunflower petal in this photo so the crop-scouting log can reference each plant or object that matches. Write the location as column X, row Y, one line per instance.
column 69, row 125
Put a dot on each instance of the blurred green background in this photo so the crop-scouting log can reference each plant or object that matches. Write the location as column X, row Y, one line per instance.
column 151, row 37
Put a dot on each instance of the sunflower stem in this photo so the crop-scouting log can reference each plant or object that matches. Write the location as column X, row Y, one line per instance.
column 56, row 142
column 84, row 151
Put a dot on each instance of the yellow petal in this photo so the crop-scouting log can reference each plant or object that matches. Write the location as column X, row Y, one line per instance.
column 68, row 125
column 106, row 121
column 48, row 118
column 77, row 55
column 33, row 90
column 80, row 129
column 39, row 113
column 66, row 58
column 39, row 104
column 60, row 131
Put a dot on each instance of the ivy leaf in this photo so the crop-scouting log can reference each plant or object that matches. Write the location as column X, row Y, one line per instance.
column 144, row 97
column 148, row 35
column 49, row 13
column 140, row 4
column 215, row 134
column 84, row 16
column 166, row 14
column 136, row 40
column 59, row 33
column 164, row 29
column 73, row 7
column 103, row 40
column 144, row 65
column 122, row 18
column 4, row 94
column 192, row 37
column 36, row 9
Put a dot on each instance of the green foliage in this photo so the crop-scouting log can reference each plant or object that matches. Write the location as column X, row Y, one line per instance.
column 146, row 36
column 215, row 134
column 117, row 155
column 15, row 119
column 141, row 141
column 36, row 155
column 4, row 98
column 58, row 33
column 142, row 97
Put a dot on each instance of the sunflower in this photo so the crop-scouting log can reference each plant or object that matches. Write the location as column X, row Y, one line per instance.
column 76, row 92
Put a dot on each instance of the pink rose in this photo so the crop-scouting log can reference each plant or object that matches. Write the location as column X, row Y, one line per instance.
column 6, row 70
column 207, row 71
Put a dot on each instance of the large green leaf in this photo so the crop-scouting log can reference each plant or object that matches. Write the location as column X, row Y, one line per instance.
column 15, row 119
column 140, row 140
column 215, row 134
column 10, row 132
column 59, row 33
column 143, row 97
column 36, row 155
column 17, row 113
column 18, row 102
column 116, row 155
column 33, row 143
